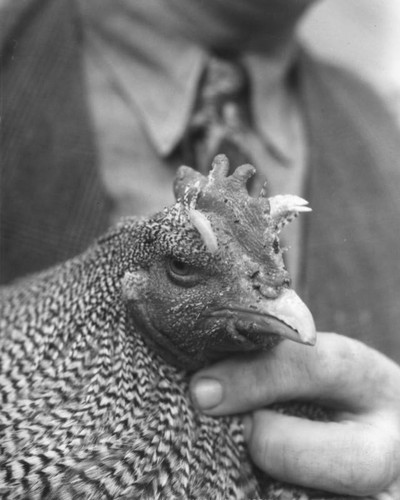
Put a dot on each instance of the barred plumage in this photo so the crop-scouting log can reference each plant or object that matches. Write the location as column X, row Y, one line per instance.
column 96, row 353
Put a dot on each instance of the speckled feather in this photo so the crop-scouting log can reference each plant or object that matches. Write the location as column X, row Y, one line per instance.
column 90, row 407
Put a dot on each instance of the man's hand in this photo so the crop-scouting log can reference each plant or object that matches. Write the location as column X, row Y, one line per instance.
column 357, row 454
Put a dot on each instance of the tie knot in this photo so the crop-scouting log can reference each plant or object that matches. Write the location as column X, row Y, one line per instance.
column 221, row 119
column 224, row 79
column 223, row 95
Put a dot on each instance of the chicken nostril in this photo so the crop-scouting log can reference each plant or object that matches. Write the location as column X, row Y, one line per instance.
column 255, row 274
column 269, row 292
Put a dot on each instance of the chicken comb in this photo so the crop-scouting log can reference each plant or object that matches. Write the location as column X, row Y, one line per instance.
column 227, row 196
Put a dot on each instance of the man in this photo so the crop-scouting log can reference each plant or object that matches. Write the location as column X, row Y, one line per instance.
column 101, row 102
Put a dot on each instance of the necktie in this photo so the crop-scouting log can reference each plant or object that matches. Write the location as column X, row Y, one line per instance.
column 221, row 121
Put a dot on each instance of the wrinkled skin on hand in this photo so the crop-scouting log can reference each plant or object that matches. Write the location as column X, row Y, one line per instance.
column 358, row 453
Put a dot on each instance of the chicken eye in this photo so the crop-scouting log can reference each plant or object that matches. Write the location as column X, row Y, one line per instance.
column 181, row 272
column 178, row 267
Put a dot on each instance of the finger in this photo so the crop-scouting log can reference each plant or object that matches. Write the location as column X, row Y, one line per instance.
column 332, row 372
column 391, row 493
column 250, row 381
column 346, row 458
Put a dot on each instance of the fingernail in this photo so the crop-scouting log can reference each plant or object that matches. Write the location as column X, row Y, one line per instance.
column 247, row 422
column 207, row 393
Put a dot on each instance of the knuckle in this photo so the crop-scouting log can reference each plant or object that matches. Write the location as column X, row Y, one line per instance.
column 266, row 444
column 248, row 383
column 260, row 443
column 266, row 380
column 336, row 356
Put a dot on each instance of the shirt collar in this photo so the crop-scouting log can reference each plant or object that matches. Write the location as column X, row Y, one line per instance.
column 159, row 76
column 165, row 96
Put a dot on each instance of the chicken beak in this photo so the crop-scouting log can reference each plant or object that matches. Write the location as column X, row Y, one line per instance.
column 290, row 318
column 285, row 316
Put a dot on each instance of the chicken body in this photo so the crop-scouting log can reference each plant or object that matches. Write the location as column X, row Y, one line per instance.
column 96, row 353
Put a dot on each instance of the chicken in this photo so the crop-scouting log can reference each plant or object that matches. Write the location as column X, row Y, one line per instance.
column 96, row 353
